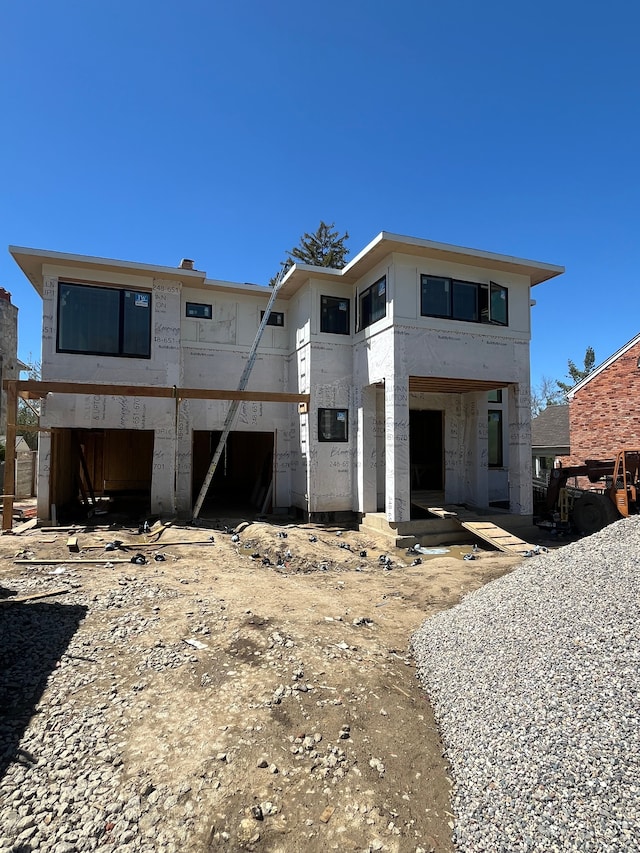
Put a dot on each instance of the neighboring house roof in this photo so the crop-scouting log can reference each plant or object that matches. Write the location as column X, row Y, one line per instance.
column 578, row 386
column 551, row 428
column 31, row 262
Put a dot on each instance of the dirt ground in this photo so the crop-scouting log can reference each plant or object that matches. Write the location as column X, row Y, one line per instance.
column 269, row 678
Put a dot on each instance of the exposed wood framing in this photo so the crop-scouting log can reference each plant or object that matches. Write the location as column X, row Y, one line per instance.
column 33, row 389
column 10, row 454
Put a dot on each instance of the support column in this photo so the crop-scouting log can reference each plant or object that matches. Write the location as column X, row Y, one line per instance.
column 163, row 474
column 520, row 491
column 476, row 450
column 398, row 481
column 366, row 457
column 44, row 473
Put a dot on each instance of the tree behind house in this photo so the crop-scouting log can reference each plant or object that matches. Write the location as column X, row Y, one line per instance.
column 575, row 373
column 324, row 248
column 29, row 411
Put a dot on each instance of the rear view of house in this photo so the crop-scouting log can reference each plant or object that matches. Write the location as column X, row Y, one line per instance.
column 405, row 372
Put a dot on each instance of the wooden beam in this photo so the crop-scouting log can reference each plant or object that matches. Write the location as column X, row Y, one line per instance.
column 249, row 396
column 33, row 389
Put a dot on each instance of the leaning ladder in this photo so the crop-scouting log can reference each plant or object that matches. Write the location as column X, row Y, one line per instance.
column 232, row 414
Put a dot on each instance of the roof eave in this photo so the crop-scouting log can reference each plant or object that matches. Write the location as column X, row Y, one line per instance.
column 31, row 262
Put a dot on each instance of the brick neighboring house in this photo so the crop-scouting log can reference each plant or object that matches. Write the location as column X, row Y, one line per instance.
column 602, row 414
column 549, row 439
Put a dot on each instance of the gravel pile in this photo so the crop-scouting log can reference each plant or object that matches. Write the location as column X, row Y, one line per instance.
column 535, row 679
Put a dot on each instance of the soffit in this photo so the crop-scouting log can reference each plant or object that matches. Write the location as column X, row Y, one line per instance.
column 441, row 385
column 386, row 244
column 31, row 262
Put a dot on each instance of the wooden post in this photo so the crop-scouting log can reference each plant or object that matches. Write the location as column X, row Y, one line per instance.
column 10, row 456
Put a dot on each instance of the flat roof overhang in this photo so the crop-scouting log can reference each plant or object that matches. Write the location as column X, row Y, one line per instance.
column 386, row 243
column 31, row 262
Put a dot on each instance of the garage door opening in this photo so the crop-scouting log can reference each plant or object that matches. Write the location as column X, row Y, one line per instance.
column 100, row 469
column 243, row 481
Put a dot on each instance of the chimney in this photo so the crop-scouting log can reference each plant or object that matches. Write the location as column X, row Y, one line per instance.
column 186, row 264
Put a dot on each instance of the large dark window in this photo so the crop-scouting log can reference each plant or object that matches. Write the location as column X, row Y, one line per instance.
column 373, row 304
column 333, row 425
column 334, row 315
column 103, row 321
column 463, row 300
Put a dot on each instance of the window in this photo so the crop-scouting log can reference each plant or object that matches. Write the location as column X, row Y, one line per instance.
column 103, row 321
column 333, row 425
column 334, row 315
column 463, row 300
column 495, row 438
column 373, row 304
column 276, row 318
column 495, row 396
column 199, row 311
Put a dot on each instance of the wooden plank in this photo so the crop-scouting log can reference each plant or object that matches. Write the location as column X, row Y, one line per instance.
column 33, row 596
column 22, row 528
column 496, row 536
column 440, row 512
column 31, row 388
column 21, row 562
column 250, row 396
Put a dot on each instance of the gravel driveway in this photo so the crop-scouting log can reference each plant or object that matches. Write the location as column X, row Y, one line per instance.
column 535, row 680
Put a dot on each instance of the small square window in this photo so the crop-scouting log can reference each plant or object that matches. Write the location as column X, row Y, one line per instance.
column 495, row 396
column 199, row 311
column 333, row 425
column 334, row 315
column 276, row 318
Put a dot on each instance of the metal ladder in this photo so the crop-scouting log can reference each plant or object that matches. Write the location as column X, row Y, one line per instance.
column 232, row 414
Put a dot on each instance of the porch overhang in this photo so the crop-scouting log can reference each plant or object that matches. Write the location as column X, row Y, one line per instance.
column 452, row 385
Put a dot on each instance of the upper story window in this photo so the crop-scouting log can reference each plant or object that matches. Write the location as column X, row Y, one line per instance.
column 372, row 303
column 463, row 300
column 103, row 321
column 199, row 310
column 334, row 315
column 276, row 318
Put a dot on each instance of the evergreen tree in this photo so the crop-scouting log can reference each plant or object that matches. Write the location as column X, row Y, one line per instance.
column 29, row 411
column 575, row 373
column 324, row 248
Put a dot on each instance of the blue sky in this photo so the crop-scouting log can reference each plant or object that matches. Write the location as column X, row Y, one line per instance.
column 221, row 131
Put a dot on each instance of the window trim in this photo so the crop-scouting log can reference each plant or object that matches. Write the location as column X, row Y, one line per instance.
column 337, row 412
column 483, row 305
column 122, row 292
column 208, row 313
column 347, row 300
column 362, row 324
